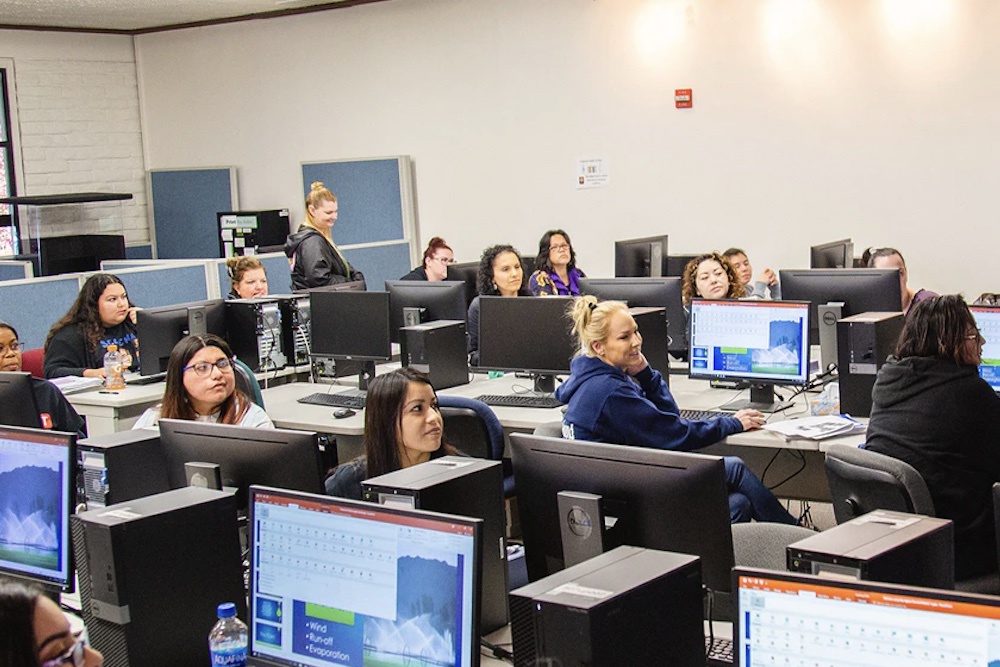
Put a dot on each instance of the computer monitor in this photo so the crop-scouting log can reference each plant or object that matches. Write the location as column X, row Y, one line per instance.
column 160, row 329
column 661, row 499
column 800, row 619
column 37, row 491
column 277, row 457
column 641, row 258
column 646, row 292
column 530, row 334
column 352, row 326
column 762, row 342
column 468, row 273
column 832, row 255
column 860, row 290
column 340, row 582
column 415, row 301
column 677, row 263
column 17, row 401
column 988, row 321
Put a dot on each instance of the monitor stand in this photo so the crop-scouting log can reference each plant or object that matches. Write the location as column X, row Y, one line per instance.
column 761, row 398
column 544, row 384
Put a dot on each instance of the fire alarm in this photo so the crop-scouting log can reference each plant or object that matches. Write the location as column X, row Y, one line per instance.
column 682, row 98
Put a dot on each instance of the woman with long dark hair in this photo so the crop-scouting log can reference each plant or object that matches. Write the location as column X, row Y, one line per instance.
column 500, row 274
column 555, row 266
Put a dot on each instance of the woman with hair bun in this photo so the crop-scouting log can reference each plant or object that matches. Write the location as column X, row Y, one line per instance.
column 315, row 259
column 437, row 258
column 247, row 276
column 615, row 396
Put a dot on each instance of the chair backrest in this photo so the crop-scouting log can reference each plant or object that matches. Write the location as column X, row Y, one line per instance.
column 862, row 481
column 550, row 429
column 33, row 361
column 761, row 544
column 246, row 382
column 472, row 427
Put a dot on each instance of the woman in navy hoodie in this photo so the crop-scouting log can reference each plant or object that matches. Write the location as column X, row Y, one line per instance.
column 615, row 396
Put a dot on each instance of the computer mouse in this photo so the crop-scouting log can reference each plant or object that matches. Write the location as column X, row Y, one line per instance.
column 343, row 413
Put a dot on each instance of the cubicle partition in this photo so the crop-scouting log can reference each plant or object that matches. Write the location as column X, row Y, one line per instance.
column 166, row 284
column 15, row 270
column 33, row 305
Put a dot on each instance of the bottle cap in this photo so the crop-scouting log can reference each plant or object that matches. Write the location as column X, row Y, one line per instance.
column 112, row 348
column 226, row 610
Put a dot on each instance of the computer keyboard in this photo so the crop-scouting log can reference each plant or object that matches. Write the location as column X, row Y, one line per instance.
column 136, row 378
column 519, row 401
column 339, row 400
column 692, row 415
column 719, row 653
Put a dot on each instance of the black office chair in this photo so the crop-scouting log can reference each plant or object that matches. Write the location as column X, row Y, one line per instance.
column 862, row 481
column 474, row 428
column 246, row 382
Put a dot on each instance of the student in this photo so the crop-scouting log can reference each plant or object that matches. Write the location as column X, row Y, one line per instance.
column 987, row 299
column 710, row 276
column 35, row 633
column 890, row 258
column 500, row 274
column 555, row 265
column 100, row 316
column 765, row 287
column 403, row 428
column 931, row 409
column 55, row 410
column 315, row 259
column 437, row 258
column 615, row 396
column 201, row 386
column 247, row 276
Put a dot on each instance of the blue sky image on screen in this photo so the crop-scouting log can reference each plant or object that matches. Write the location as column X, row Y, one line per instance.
column 32, row 508
column 338, row 590
column 988, row 321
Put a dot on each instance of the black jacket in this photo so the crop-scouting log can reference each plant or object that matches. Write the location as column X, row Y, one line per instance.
column 315, row 262
column 69, row 353
column 62, row 415
column 419, row 273
column 944, row 420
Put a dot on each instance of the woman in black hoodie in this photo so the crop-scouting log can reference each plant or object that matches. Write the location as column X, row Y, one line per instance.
column 932, row 410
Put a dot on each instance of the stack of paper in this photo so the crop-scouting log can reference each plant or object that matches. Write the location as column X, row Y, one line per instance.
column 815, row 428
column 71, row 384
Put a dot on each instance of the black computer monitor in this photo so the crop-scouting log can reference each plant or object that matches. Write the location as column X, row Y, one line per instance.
column 17, row 401
column 677, row 263
column 646, row 292
column 641, row 258
column 761, row 342
column 860, row 290
column 415, row 301
column 660, row 499
column 160, row 329
column 468, row 273
column 277, row 457
column 832, row 255
column 37, row 492
column 340, row 582
column 352, row 326
column 529, row 334
column 988, row 321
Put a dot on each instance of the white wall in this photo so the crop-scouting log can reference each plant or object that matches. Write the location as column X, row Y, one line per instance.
column 78, row 110
column 812, row 120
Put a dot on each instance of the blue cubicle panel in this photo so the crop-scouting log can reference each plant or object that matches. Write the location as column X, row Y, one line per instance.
column 279, row 274
column 34, row 305
column 185, row 204
column 155, row 286
column 15, row 270
column 380, row 263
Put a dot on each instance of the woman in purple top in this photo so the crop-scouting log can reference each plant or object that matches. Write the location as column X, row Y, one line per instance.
column 890, row 258
column 556, row 272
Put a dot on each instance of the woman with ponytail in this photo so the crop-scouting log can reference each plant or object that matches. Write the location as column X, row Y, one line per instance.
column 315, row 259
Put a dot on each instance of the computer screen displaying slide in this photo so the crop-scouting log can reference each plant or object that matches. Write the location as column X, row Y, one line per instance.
column 988, row 321
column 798, row 619
column 339, row 582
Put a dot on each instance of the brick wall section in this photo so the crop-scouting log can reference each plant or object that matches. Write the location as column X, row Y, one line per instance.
column 80, row 132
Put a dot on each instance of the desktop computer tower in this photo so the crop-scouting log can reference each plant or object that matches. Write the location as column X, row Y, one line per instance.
column 254, row 332
column 119, row 467
column 437, row 348
column 467, row 487
column 864, row 342
column 152, row 573
column 629, row 606
column 295, row 321
column 893, row 547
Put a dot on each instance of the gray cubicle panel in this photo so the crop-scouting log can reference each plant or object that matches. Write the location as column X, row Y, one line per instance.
column 34, row 305
column 15, row 270
column 380, row 263
column 184, row 205
column 166, row 284
column 279, row 274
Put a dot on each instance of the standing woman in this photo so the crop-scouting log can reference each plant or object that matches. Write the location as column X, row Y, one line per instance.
column 247, row 276
column 500, row 274
column 556, row 272
column 100, row 316
column 403, row 427
column 315, row 259
column 931, row 409
column 437, row 258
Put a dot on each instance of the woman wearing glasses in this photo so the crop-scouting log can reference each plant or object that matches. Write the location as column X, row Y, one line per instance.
column 201, row 386
column 556, row 272
column 437, row 258
column 931, row 409
column 36, row 633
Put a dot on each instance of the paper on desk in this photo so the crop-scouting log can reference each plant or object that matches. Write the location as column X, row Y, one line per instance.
column 71, row 384
column 815, row 428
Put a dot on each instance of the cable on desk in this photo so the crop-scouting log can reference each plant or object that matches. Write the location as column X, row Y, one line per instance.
column 497, row 651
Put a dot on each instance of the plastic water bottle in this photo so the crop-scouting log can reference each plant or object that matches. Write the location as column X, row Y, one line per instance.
column 227, row 642
column 114, row 370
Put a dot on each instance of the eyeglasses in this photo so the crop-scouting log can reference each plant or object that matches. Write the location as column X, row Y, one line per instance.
column 559, row 246
column 15, row 346
column 74, row 655
column 447, row 261
column 204, row 368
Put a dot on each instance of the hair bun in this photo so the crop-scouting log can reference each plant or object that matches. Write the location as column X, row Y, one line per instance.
column 317, row 185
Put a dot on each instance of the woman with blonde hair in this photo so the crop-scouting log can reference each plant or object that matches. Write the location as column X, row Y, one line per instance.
column 615, row 396
column 247, row 276
column 315, row 259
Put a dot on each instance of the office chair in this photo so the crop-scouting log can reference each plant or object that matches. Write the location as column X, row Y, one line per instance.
column 33, row 361
column 246, row 382
column 862, row 481
column 550, row 429
column 472, row 427
column 760, row 544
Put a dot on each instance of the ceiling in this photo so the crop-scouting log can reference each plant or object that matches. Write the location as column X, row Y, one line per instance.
column 137, row 16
